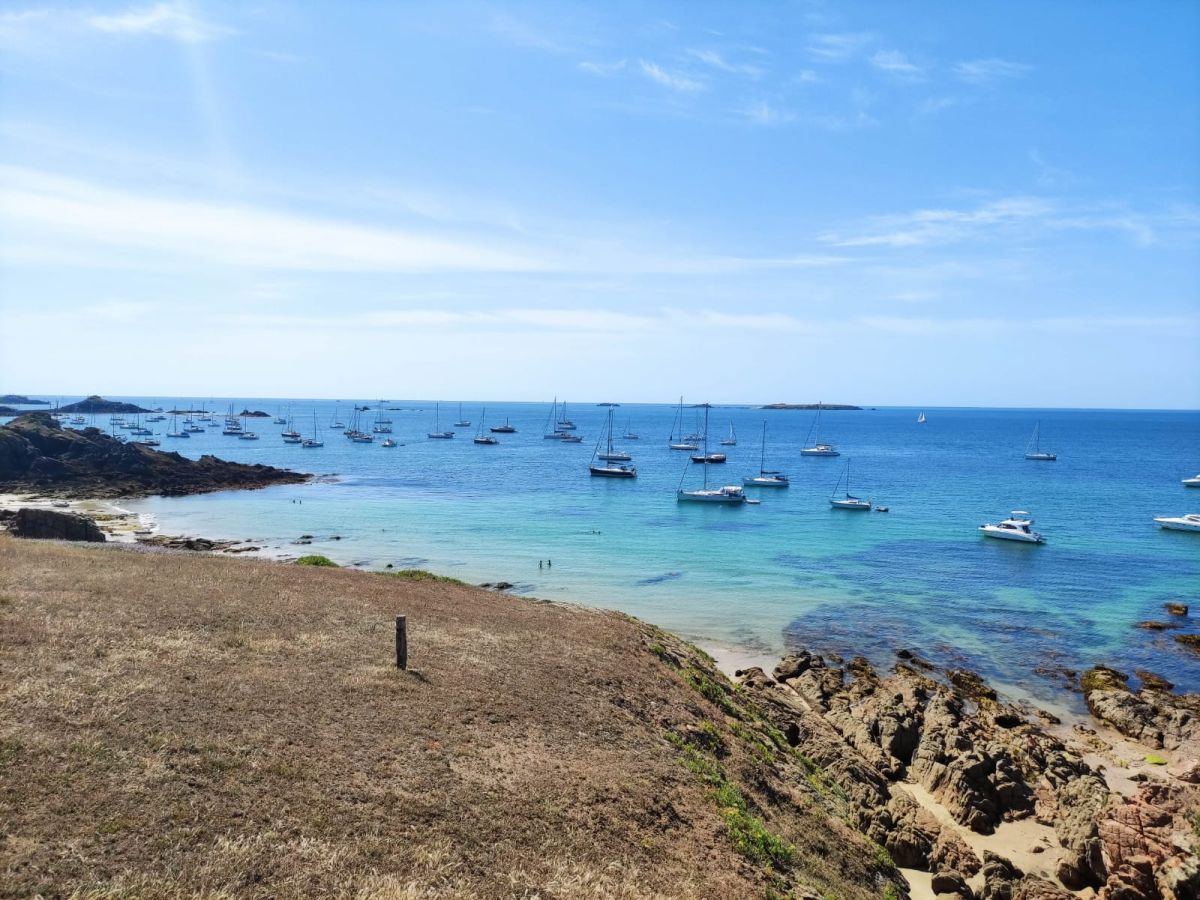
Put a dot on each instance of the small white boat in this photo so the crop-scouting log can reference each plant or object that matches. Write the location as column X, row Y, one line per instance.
column 1190, row 522
column 730, row 441
column 847, row 500
column 292, row 440
column 818, row 448
column 615, row 456
column 1033, row 449
column 388, row 442
column 684, row 445
column 312, row 444
column 1192, row 482
column 247, row 436
column 571, row 438
column 921, row 419
column 563, row 423
column 1014, row 528
column 461, row 423
column 681, row 442
column 766, row 478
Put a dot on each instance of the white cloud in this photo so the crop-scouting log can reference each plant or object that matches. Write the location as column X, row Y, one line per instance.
column 832, row 48
column 929, row 226
column 170, row 20
column 604, row 70
column 763, row 113
column 717, row 61
column 896, row 63
column 984, row 71
column 1025, row 325
column 672, row 80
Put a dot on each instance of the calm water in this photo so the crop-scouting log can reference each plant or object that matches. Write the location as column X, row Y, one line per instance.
column 789, row 571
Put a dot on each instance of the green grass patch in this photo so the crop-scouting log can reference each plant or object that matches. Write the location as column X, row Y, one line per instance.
column 423, row 575
column 712, row 691
column 1155, row 760
column 316, row 559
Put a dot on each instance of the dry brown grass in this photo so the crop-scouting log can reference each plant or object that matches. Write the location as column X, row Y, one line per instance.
column 176, row 725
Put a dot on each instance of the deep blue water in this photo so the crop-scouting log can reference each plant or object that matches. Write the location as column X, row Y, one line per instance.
column 791, row 570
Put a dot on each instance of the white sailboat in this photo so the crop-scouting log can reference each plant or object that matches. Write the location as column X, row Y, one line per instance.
column 551, row 433
column 680, row 442
column 437, row 434
column 818, row 448
column 730, row 441
column 175, row 432
column 461, row 423
column 848, row 500
column 563, row 423
column 611, row 458
column 480, row 436
column 1033, row 450
column 730, row 494
column 766, row 478
column 314, row 441
column 335, row 422
column 921, row 419
column 629, row 435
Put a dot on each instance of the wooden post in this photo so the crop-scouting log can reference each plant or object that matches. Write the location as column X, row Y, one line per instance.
column 401, row 642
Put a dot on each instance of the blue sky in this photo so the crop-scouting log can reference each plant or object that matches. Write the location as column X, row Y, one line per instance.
column 877, row 203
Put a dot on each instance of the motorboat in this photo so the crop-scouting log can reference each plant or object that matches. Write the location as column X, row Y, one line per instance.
column 1190, row 522
column 1192, row 482
column 388, row 442
column 847, row 500
column 766, row 478
column 1014, row 528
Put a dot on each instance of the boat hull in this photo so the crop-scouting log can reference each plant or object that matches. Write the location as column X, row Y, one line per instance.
column 1192, row 482
column 612, row 472
column 1177, row 524
column 1042, row 457
column 814, row 451
column 857, row 505
column 1003, row 534
column 724, row 495
column 765, row 482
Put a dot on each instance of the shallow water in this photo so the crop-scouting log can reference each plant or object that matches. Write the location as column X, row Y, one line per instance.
column 791, row 571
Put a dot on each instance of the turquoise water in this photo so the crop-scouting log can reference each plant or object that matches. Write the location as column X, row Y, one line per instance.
column 791, row 571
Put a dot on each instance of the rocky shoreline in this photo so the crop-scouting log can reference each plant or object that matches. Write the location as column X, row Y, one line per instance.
column 990, row 798
column 38, row 455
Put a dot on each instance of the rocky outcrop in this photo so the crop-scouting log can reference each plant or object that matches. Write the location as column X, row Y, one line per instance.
column 9, row 411
column 49, row 524
column 22, row 400
column 881, row 739
column 1152, row 715
column 39, row 455
column 97, row 404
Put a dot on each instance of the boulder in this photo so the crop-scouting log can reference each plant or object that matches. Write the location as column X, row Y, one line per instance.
column 50, row 524
column 952, row 884
column 1176, row 609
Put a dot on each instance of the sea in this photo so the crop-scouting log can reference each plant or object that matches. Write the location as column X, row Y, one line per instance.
column 755, row 581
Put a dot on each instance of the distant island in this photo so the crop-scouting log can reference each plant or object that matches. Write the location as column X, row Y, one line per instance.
column 22, row 400
column 97, row 404
column 39, row 455
column 256, row 414
column 9, row 411
column 809, row 406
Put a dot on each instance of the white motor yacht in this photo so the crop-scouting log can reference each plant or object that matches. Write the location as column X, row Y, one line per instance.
column 1015, row 528
column 1190, row 522
column 1192, row 482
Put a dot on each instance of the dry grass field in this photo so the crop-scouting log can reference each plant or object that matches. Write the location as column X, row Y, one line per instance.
column 177, row 724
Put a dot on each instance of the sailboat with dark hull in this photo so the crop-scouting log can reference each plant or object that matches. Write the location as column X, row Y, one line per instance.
column 603, row 464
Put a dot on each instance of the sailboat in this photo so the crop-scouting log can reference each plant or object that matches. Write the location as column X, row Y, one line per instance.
column 730, row 441
column 612, row 468
column 437, row 434
column 382, row 425
column 680, row 443
column 502, row 429
column 630, row 435
column 335, row 422
column 461, row 423
column 480, row 437
column 921, row 419
column 290, row 435
column 564, row 424
column 817, row 449
column 766, row 478
column 314, row 441
column 848, row 500
column 1033, row 449
column 730, row 494
column 175, row 432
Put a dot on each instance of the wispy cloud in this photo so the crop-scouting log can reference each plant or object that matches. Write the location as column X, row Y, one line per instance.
column 673, row 80
column 896, row 63
column 522, row 34
column 761, row 112
column 833, row 48
column 604, row 70
column 984, row 71
column 169, row 20
column 718, row 61
column 1023, row 325
column 929, row 226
